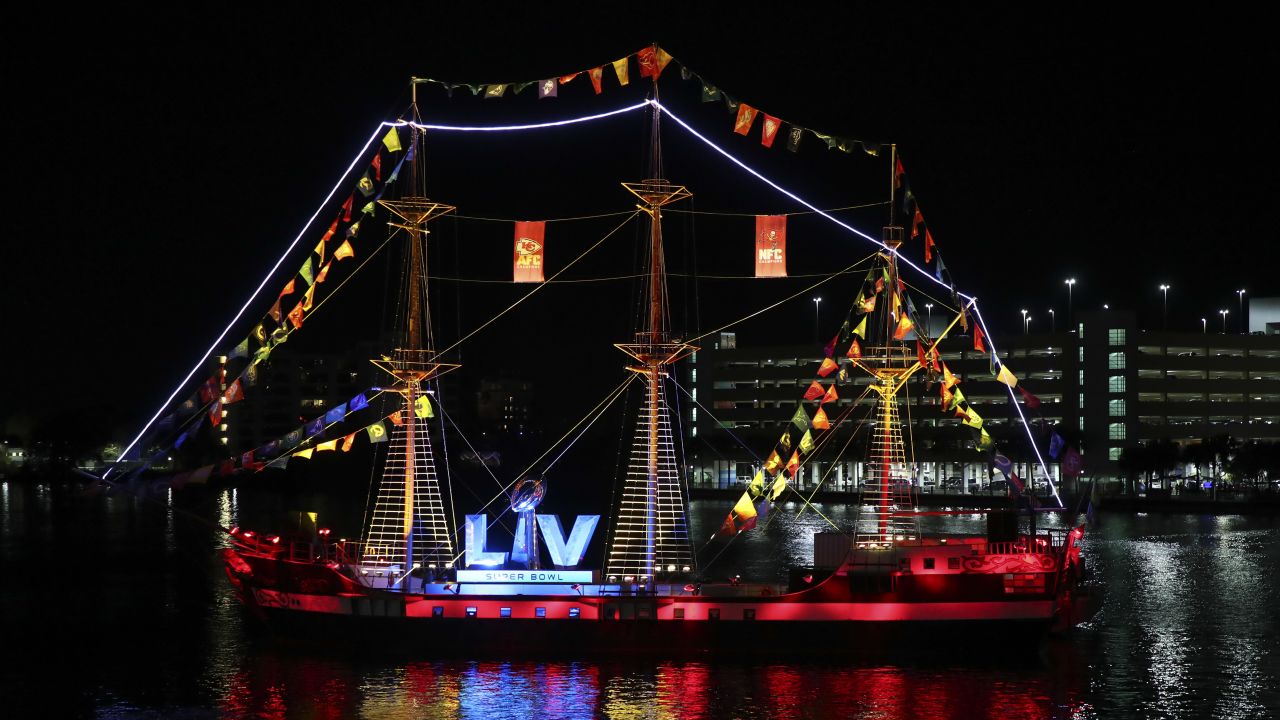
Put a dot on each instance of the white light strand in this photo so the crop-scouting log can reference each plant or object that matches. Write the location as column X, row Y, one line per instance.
column 532, row 126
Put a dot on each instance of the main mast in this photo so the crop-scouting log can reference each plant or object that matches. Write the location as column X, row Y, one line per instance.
column 409, row 528
column 651, row 532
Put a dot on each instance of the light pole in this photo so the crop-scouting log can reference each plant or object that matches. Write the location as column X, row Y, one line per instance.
column 1024, row 322
column 1243, row 329
column 1053, row 322
column 1071, row 284
column 928, row 325
column 817, row 335
column 1165, row 321
column 1204, row 326
column 1224, row 313
column 1026, row 325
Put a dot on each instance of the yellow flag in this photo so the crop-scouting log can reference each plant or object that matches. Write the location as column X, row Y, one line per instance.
column 620, row 67
column 757, row 483
column 327, row 446
column 320, row 250
column 744, row 510
column 1007, row 377
column 422, row 407
column 861, row 330
column 392, row 140
column 785, row 440
column 778, row 486
column 304, row 454
column 973, row 419
column 308, row 297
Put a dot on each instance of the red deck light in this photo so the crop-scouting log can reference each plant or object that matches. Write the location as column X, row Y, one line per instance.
column 248, row 534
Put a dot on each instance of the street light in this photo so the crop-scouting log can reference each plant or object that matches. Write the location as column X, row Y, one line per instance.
column 1165, row 289
column 928, row 326
column 1224, row 313
column 1243, row 329
column 1071, row 283
column 1024, row 322
column 1026, row 325
column 817, row 335
column 1204, row 326
column 1053, row 321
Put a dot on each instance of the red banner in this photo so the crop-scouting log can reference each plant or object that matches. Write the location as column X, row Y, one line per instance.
column 771, row 246
column 529, row 247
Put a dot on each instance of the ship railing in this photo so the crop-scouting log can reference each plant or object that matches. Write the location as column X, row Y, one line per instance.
column 1043, row 543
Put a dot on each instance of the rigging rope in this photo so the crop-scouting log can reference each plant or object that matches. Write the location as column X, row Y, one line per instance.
column 798, row 212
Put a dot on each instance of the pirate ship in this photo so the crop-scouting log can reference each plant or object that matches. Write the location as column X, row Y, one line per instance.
column 417, row 580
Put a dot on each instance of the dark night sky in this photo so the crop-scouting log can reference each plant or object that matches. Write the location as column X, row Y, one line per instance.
column 157, row 164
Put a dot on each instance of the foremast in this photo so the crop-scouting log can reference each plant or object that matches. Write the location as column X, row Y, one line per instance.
column 409, row 528
column 651, row 536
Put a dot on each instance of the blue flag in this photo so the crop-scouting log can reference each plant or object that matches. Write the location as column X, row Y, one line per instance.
column 292, row 439
column 336, row 414
column 181, row 439
column 269, row 449
column 358, row 403
column 1055, row 445
column 315, row 428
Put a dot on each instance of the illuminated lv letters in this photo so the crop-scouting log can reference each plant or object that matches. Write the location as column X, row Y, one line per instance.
column 567, row 554
column 476, row 534
column 564, row 553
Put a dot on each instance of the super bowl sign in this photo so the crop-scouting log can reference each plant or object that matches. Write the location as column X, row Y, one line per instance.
column 528, row 251
column 564, row 552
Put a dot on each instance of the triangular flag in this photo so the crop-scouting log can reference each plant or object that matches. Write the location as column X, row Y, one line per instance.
column 396, row 418
column 904, row 326
column 779, row 485
column 365, row 185
column 392, row 140
column 806, row 442
column 800, row 419
column 770, row 130
column 948, row 380
column 915, row 224
column 422, row 407
column 215, row 414
column 564, row 79
column 830, row 347
column 620, row 69
column 369, row 207
column 928, row 246
column 274, row 310
column 295, row 315
column 358, row 403
column 1007, row 377
column 855, row 350
column 234, row 394
column 785, row 440
column 844, row 330
column 727, row 528
column 324, row 272
column 344, row 251
column 861, row 330
column 920, row 358
column 831, row 395
column 377, row 432
column 977, row 339
column 1055, row 445
column 793, row 465
column 710, row 93
column 307, row 272
column 745, row 509
column 241, row 350
column 772, row 463
column 1032, row 401
column 547, row 88
column 794, row 136
column 335, row 414
column 815, row 391
column 746, row 116
column 757, row 484
column 377, row 166
column 972, row 418
column 985, row 442
column 820, row 421
column 327, row 446
column 346, row 208
column 355, row 228
column 597, row 74
column 495, row 91
column 319, row 250
column 288, row 287
column 866, row 305
column 652, row 61
column 827, row 367
column 308, row 297
column 304, row 454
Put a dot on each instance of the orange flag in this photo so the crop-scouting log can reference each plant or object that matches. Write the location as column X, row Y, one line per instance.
column 324, row 273
column 396, row 418
column 828, row 366
column 746, row 116
column 772, row 463
column 820, row 420
column 348, row 441
column 855, row 350
column 831, row 395
column 815, row 391
column 793, row 464
column 328, row 234
column 771, row 246
column 928, row 246
column 295, row 315
column 597, row 74
column 948, row 380
column 288, row 288
column 344, row 251
column 904, row 326
column 977, row 339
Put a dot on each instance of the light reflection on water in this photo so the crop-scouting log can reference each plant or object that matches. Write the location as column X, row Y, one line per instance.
column 139, row 622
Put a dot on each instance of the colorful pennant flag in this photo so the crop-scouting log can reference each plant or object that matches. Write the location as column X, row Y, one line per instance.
column 346, row 207
column 828, row 366
column 307, row 272
column 348, row 441
column 324, row 272
column 597, row 74
column 785, row 440
column 928, row 246
column 794, row 136
column 315, row 428
column 861, row 330
column 391, row 140
column 529, row 249
column 815, row 391
column 779, row 485
column 377, row 432
column 904, row 326
column 820, row 421
column 771, row 246
column 1055, row 445
column 800, row 419
column 793, row 465
column 977, row 339
column 745, row 512
column 295, row 316
column 830, row 347
column 547, row 88
column 396, row 418
column 1032, row 401
column 653, row 60
column 422, row 407
column 365, row 185
column 241, row 350
column 746, row 116
column 304, row 454
column 806, row 442
column 831, row 395
column 308, row 298
column 772, row 463
column 344, row 251
column 234, row 394
column 769, row 130
column 335, row 414
column 358, row 403
column 757, row 484
column 215, row 414
column 1007, row 377
column 710, row 93
column 620, row 69
column 495, row 91
column 327, row 446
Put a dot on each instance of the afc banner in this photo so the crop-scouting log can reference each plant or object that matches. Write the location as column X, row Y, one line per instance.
column 529, row 247
column 771, row 246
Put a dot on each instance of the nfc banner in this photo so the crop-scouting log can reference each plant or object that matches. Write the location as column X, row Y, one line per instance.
column 529, row 251
column 771, row 246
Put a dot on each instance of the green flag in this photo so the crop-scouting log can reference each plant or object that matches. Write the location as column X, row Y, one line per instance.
column 800, row 419
column 985, row 442
column 368, row 208
column 377, row 432
column 861, row 330
column 806, row 443
column 957, row 397
column 307, row 272
column 241, row 350
column 392, row 141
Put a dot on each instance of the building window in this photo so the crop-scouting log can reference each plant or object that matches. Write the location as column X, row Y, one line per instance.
column 1081, row 380
column 1115, row 384
column 928, row 563
column 1115, row 431
column 1081, row 333
column 1115, row 361
column 504, row 612
column 953, row 563
column 1081, row 400
column 1115, row 336
column 1081, row 424
column 1116, row 408
column 1113, row 454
